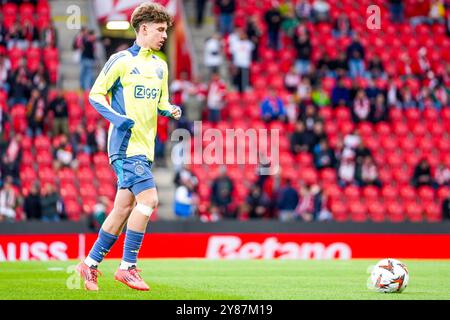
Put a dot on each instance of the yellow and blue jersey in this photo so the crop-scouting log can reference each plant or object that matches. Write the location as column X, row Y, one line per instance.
column 136, row 83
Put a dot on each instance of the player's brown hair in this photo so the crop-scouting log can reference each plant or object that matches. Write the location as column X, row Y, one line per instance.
column 150, row 12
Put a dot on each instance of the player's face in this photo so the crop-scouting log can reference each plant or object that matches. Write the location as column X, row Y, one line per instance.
column 154, row 35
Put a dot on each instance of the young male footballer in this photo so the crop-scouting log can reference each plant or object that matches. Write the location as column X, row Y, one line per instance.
column 136, row 82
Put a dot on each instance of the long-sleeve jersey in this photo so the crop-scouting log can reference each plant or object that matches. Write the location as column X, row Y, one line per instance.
column 136, row 84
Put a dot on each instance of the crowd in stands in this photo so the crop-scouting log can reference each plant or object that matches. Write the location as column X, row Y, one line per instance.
column 319, row 67
column 351, row 79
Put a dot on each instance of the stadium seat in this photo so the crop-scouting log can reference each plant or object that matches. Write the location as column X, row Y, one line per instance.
column 376, row 210
column 339, row 211
column 358, row 211
column 395, row 211
column 414, row 211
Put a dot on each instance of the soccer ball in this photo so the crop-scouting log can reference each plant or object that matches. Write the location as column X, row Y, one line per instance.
column 389, row 275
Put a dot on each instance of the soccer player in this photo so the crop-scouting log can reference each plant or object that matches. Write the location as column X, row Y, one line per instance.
column 136, row 83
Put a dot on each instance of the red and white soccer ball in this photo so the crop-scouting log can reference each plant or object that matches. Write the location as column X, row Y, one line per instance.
column 389, row 275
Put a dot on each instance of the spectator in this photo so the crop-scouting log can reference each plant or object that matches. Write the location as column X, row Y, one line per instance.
column 87, row 61
column 63, row 153
column 3, row 32
column 11, row 159
column 30, row 34
column 437, row 12
column 99, row 213
column 180, row 156
column 5, row 67
column 226, row 15
column 287, row 202
column 446, row 208
column 361, row 107
column 396, row 9
column 254, row 34
column 100, row 136
column 32, row 204
column 200, row 12
column 376, row 68
column 180, row 88
column 323, row 155
column 292, row 80
column 305, row 207
column 361, row 152
column 302, row 44
column 325, row 66
column 356, row 56
column 215, row 99
column 79, row 140
column 51, row 205
column 340, row 95
column 304, row 90
column 320, row 11
column 273, row 20
column 36, row 113
column 422, row 174
column 241, row 50
column 379, row 111
column 60, row 115
column 321, row 211
column 222, row 188
column 342, row 26
column 406, row 99
column 184, row 206
column 319, row 131
column 49, row 37
column 8, row 202
column 77, row 44
column 257, row 203
column 303, row 10
column 367, row 173
column 347, row 168
column 272, row 107
column 19, row 86
column 352, row 140
column 320, row 97
column 309, row 116
column 291, row 109
column 40, row 80
column 213, row 53
column 371, row 90
column 340, row 65
column 302, row 140
column 442, row 175
column 289, row 23
column 15, row 37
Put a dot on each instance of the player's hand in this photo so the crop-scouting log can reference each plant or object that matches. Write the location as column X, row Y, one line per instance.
column 176, row 112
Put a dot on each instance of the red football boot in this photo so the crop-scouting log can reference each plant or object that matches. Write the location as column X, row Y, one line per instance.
column 89, row 276
column 131, row 278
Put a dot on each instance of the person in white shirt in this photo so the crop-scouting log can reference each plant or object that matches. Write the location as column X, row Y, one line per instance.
column 241, row 50
column 7, row 202
column 213, row 53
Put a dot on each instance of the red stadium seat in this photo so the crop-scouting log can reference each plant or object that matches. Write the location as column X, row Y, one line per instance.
column 377, row 211
column 414, row 211
column 358, row 211
column 339, row 211
column 395, row 211
column 352, row 192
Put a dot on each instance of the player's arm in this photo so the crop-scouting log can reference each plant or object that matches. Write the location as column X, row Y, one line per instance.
column 164, row 107
column 110, row 73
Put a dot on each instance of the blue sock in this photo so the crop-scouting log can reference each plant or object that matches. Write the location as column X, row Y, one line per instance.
column 102, row 246
column 133, row 241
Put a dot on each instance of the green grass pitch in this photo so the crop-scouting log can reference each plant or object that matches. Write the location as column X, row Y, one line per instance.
column 192, row 279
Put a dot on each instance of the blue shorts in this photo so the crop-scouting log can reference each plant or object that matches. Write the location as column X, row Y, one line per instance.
column 134, row 173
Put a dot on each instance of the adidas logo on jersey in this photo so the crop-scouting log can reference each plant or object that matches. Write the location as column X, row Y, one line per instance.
column 135, row 71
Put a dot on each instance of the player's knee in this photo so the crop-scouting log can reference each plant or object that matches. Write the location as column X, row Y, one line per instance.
column 150, row 202
column 124, row 210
